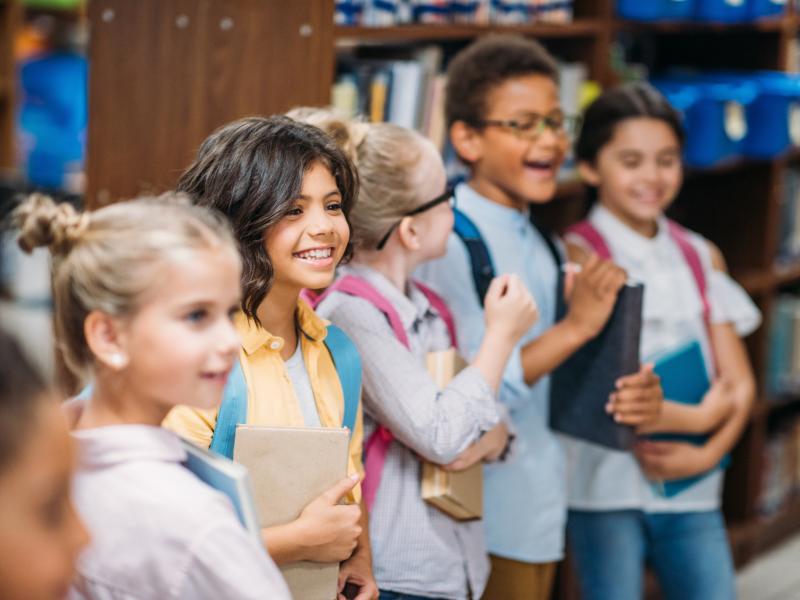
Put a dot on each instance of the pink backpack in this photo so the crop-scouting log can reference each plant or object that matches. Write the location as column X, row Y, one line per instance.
column 680, row 236
column 377, row 446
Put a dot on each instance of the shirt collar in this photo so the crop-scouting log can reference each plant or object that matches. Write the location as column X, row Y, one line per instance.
column 254, row 336
column 411, row 308
column 634, row 243
column 114, row 444
column 481, row 209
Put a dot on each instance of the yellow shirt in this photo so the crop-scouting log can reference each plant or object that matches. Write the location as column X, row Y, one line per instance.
column 271, row 398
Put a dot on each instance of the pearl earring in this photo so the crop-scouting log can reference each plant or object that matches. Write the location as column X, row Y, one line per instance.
column 117, row 360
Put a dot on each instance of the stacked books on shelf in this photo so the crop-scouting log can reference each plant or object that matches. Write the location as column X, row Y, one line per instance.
column 408, row 92
column 789, row 242
column 390, row 13
column 783, row 361
column 780, row 475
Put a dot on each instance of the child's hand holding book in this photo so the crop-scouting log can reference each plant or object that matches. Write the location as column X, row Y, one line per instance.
column 593, row 295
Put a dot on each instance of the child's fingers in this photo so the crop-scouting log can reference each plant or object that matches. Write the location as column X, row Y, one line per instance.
column 335, row 494
column 645, row 378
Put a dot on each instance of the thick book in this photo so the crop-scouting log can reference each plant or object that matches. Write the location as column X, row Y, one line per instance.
column 684, row 379
column 581, row 386
column 230, row 478
column 458, row 494
column 290, row 467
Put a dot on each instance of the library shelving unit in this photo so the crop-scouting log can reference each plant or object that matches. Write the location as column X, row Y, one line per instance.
column 163, row 75
column 8, row 23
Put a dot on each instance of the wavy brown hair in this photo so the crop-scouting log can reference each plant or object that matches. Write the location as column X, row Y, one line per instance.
column 252, row 170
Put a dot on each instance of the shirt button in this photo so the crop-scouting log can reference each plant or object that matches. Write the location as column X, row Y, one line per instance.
column 275, row 345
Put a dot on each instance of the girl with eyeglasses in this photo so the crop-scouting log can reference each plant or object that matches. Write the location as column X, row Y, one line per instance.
column 402, row 219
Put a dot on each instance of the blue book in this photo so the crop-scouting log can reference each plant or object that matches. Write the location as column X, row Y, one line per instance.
column 230, row 478
column 684, row 379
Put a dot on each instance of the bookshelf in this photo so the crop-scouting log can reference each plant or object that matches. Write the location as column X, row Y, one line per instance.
column 9, row 10
column 156, row 91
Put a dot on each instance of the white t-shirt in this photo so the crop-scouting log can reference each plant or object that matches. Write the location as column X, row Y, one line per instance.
column 603, row 479
column 298, row 374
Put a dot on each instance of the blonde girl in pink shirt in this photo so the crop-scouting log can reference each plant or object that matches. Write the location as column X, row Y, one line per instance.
column 144, row 296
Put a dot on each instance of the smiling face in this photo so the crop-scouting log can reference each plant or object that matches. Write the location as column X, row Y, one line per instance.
column 40, row 533
column 638, row 172
column 507, row 168
column 305, row 246
column 181, row 342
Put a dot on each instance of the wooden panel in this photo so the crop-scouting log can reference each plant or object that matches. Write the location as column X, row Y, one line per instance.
column 166, row 74
column 9, row 13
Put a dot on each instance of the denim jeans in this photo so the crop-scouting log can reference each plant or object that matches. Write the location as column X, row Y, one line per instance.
column 386, row 595
column 689, row 553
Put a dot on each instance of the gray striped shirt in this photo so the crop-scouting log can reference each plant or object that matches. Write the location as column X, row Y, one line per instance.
column 416, row 548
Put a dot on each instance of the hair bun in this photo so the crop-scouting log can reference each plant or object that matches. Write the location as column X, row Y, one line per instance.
column 348, row 134
column 42, row 222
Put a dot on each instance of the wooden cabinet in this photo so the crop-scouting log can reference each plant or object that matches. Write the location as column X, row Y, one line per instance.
column 165, row 74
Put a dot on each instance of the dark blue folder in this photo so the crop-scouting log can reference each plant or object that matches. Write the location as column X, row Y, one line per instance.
column 684, row 379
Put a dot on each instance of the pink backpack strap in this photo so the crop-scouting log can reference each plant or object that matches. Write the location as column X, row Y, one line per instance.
column 440, row 306
column 692, row 258
column 377, row 445
column 595, row 240
column 361, row 288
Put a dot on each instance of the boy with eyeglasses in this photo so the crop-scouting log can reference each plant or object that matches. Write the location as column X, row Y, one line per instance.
column 505, row 122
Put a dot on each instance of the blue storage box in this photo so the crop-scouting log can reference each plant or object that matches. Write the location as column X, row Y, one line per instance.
column 767, row 8
column 655, row 10
column 715, row 117
column 774, row 115
column 53, row 116
column 723, row 11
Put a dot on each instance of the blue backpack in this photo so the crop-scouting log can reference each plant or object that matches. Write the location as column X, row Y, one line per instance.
column 480, row 260
column 233, row 409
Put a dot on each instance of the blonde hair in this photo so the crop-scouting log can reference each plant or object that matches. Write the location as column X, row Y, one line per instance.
column 387, row 157
column 106, row 260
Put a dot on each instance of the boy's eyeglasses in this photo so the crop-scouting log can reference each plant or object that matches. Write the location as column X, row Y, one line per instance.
column 447, row 196
column 532, row 127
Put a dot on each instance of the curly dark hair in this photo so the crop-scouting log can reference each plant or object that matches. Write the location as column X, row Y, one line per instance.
column 251, row 170
column 630, row 101
column 486, row 64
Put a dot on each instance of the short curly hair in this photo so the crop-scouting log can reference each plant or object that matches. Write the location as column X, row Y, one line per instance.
column 486, row 64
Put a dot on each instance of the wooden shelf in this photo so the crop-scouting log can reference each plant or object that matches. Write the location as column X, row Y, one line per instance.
column 580, row 28
column 771, row 25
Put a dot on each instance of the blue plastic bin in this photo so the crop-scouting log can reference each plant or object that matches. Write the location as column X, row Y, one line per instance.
column 723, row 11
column 767, row 8
column 655, row 10
column 53, row 116
column 774, row 115
column 715, row 117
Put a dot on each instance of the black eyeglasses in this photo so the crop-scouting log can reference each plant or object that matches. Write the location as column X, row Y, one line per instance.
column 448, row 196
column 533, row 126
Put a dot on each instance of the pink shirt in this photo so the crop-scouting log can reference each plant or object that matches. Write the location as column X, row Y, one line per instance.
column 157, row 531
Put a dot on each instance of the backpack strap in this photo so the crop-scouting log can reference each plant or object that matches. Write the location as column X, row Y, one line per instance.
column 361, row 288
column 692, row 258
column 558, row 259
column 376, row 447
column 347, row 361
column 479, row 258
column 440, row 306
column 595, row 240
column 232, row 412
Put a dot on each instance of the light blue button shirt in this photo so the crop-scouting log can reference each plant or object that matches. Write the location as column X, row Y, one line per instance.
column 525, row 499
